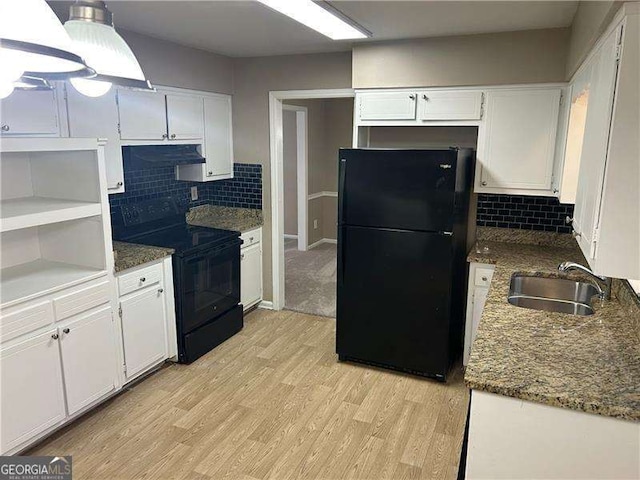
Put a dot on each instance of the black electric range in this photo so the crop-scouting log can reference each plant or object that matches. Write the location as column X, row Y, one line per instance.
column 206, row 271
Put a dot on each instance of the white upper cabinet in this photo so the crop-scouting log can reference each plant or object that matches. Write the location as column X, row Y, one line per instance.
column 143, row 115
column 608, row 195
column 603, row 67
column 516, row 142
column 218, row 143
column 386, row 106
column 30, row 113
column 450, row 104
column 88, row 347
column 184, row 117
column 98, row 118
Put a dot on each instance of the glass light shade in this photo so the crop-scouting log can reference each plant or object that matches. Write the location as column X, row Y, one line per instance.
column 91, row 88
column 6, row 88
column 104, row 50
column 11, row 66
column 39, row 42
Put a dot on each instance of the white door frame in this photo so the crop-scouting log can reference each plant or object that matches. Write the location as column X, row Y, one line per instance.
column 277, row 177
column 302, row 176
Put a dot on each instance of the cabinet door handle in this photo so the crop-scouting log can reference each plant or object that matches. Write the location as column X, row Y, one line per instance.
column 242, row 256
column 576, row 234
column 116, row 186
column 484, row 279
column 143, row 279
column 173, row 135
column 55, row 336
column 164, row 135
column 160, row 290
column 5, row 127
column 66, row 330
column 425, row 97
column 568, row 220
column 251, row 239
column 209, row 174
column 412, row 97
column 483, row 183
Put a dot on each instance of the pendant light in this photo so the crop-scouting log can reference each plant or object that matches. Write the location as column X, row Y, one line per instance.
column 34, row 42
column 90, row 26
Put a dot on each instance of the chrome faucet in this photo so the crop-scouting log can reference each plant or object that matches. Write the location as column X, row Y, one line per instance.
column 604, row 294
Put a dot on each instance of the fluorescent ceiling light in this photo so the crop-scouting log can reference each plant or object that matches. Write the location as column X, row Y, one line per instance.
column 328, row 21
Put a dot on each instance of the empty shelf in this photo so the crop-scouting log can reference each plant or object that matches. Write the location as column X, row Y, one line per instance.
column 28, row 212
column 41, row 276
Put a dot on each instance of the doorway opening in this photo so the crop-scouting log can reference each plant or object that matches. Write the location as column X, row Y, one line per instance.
column 307, row 129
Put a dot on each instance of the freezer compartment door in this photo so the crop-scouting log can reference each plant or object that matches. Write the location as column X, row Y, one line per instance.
column 394, row 298
column 402, row 189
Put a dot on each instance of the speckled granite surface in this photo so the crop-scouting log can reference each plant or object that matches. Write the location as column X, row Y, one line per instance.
column 227, row 218
column 129, row 255
column 589, row 363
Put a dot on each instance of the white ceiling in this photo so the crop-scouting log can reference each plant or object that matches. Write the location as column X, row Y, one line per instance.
column 246, row 28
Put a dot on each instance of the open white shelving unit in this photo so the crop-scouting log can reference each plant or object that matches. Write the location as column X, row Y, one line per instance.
column 52, row 216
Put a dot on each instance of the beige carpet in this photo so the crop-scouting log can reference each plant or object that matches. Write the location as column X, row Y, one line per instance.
column 310, row 279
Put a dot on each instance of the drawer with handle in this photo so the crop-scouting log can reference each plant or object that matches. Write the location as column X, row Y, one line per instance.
column 252, row 237
column 139, row 278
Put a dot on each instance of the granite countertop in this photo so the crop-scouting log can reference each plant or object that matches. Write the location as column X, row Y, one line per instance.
column 585, row 363
column 129, row 255
column 227, row 218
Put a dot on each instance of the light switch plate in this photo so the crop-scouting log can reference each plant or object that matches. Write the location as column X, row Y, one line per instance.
column 194, row 193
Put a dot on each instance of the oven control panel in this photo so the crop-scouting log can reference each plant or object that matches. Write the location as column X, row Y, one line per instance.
column 149, row 211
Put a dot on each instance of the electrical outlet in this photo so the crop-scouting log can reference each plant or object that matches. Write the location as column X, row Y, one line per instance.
column 194, row 193
column 315, row 224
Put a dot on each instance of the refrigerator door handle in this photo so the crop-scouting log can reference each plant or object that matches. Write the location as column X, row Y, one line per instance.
column 450, row 234
column 341, row 191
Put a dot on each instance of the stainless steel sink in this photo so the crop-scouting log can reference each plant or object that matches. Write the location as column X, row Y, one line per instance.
column 551, row 294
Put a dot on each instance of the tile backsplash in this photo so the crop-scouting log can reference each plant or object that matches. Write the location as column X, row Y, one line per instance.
column 244, row 190
column 523, row 212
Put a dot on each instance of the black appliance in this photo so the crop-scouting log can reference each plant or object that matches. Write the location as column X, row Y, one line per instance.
column 403, row 236
column 206, row 271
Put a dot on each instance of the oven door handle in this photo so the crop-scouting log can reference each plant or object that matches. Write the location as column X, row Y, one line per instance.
column 210, row 253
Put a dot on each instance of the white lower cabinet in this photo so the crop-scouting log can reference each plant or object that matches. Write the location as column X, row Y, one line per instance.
column 251, row 268
column 511, row 439
column 480, row 275
column 32, row 394
column 89, row 363
column 143, row 329
column 147, row 315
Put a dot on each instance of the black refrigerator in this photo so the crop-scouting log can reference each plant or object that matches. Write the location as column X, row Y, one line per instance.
column 406, row 219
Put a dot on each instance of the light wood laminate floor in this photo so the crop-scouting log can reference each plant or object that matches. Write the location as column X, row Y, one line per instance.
column 272, row 403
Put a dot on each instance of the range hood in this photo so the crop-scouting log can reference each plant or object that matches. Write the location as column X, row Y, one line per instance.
column 162, row 155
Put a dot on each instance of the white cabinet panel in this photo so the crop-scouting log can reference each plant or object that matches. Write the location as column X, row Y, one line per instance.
column 217, row 145
column 218, row 140
column 516, row 146
column 98, row 118
column 32, row 397
column 594, row 149
column 143, row 115
column 387, row 106
column 143, row 329
column 185, row 117
column 30, row 113
column 250, row 275
column 88, row 358
column 449, row 105
column 480, row 276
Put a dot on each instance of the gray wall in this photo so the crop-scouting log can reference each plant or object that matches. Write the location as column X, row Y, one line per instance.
column 254, row 78
column 169, row 64
column 589, row 23
column 488, row 59
column 290, row 160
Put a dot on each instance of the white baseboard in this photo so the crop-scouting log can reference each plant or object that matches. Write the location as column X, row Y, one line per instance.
column 287, row 235
column 266, row 304
column 321, row 241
